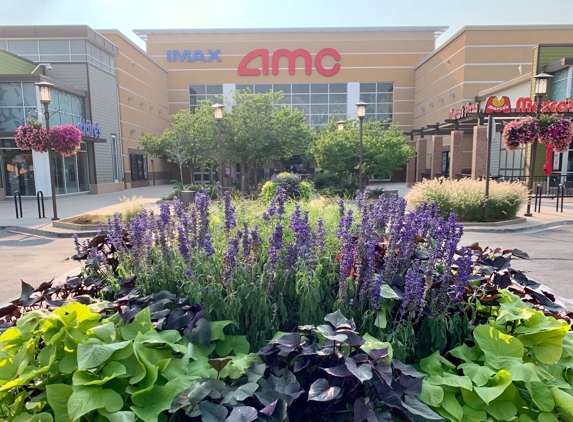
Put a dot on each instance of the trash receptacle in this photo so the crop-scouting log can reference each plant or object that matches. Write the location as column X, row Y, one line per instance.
column 187, row 197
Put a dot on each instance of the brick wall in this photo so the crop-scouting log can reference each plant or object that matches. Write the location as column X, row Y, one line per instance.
column 479, row 152
column 437, row 146
column 456, row 153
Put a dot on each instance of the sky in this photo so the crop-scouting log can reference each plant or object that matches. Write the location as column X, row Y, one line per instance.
column 127, row 15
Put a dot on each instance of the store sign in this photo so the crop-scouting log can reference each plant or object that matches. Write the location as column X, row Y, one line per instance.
column 192, row 56
column 495, row 105
column 464, row 111
column 526, row 105
column 88, row 129
column 273, row 60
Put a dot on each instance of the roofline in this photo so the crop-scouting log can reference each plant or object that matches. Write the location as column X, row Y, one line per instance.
column 17, row 56
column 558, row 65
column 438, row 30
column 131, row 43
column 482, row 95
column 487, row 28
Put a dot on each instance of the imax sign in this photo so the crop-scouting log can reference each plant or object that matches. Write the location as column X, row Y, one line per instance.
column 173, row 56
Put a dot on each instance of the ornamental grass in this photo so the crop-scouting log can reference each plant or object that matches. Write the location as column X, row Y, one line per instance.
column 466, row 197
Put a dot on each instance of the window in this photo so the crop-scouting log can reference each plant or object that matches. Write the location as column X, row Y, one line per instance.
column 23, row 47
column 560, row 84
column 138, row 167
column 17, row 105
column 204, row 92
column 379, row 98
column 114, row 157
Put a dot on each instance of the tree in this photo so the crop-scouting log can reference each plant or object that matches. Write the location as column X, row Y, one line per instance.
column 257, row 131
column 189, row 141
column 384, row 148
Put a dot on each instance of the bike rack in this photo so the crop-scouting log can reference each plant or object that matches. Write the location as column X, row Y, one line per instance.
column 538, row 191
column 17, row 194
column 40, row 195
column 560, row 197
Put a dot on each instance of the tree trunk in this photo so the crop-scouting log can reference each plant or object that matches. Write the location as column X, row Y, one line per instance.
column 192, row 173
column 210, row 175
column 244, row 175
column 256, row 177
column 181, row 172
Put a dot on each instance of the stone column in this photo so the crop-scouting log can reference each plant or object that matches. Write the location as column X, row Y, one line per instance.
column 411, row 169
column 456, row 153
column 421, row 158
column 437, row 146
column 479, row 152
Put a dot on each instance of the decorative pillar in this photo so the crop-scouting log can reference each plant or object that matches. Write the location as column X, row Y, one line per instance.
column 437, row 147
column 411, row 169
column 456, row 153
column 421, row 158
column 479, row 152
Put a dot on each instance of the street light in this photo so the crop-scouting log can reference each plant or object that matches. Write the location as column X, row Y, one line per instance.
column 45, row 99
column 219, row 117
column 361, row 106
column 541, row 81
column 340, row 124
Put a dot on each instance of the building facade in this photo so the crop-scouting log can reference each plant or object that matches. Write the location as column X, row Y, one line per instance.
column 104, row 77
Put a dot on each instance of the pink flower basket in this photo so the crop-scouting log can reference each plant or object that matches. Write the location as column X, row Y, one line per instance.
column 32, row 136
column 557, row 132
column 66, row 139
column 519, row 132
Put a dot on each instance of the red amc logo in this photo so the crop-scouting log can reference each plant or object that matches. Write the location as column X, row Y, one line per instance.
column 291, row 56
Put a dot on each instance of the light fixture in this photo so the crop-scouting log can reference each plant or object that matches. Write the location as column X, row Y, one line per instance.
column 430, row 104
column 218, row 111
column 131, row 131
column 45, row 97
column 340, row 124
column 130, row 98
column 142, row 103
column 152, row 107
column 161, row 110
column 541, row 83
column 422, row 108
column 452, row 95
column 47, row 65
column 440, row 100
column 361, row 109
column 142, row 133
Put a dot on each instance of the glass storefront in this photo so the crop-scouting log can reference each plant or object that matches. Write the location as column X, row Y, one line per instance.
column 17, row 172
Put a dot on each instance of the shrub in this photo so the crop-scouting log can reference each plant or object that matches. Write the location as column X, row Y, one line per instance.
column 326, row 180
column 466, row 197
column 131, row 206
column 290, row 183
column 292, row 187
column 199, row 187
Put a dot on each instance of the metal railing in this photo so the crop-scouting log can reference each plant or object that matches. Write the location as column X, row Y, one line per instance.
column 18, row 196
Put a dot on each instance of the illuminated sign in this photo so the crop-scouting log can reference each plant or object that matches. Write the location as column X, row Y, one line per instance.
column 495, row 105
column 192, row 56
column 291, row 56
column 464, row 111
column 526, row 105
column 88, row 129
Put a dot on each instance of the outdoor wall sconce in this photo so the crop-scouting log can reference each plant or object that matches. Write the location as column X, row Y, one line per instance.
column 132, row 131
column 440, row 100
column 142, row 103
column 430, row 104
column 161, row 110
column 152, row 107
column 422, row 108
column 452, row 95
column 142, row 133
column 130, row 98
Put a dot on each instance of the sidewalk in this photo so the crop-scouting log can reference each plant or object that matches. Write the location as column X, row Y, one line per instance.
column 73, row 205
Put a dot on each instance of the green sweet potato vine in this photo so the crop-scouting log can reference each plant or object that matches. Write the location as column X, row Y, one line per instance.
column 520, row 365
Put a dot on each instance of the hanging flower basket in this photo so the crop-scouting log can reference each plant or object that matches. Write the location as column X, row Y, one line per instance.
column 555, row 130
column 66, row 139
column 519, row 132
column 32, row 136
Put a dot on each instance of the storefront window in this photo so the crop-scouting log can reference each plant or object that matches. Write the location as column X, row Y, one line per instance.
column 559, row 85
column 17, row 105
column 17, row 172
column 380, row 99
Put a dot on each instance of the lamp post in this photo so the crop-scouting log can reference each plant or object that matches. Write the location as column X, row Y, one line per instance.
column 219, row 117
column 45, row 99
column 361, row 106
column 340, row 124
column 540, row 90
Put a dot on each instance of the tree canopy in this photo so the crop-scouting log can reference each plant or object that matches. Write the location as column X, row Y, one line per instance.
column 384, row 148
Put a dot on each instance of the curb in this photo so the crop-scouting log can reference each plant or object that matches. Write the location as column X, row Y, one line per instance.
column 542, row 226
column 46, row 233
column 513, row 221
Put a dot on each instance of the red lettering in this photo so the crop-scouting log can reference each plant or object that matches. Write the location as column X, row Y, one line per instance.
column 318, row 61
column 243, row 70
column 553, row 106
column 524, row 105
column 291, row 57
column 562, row 107
column 544, row 106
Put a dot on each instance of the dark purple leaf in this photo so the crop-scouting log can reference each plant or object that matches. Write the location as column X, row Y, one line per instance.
column 353, row 339
column 267, row 350
column 242, row 414
column 310, row 350
column 362, row 372
column 378, row 354
column 339, row 321
column 300, row 365
column 364, row 412
column 293, row 390
column 520, row 254
column 27, row 291
column 200, row 334
column 289, row 340
column 406, row 369
column 340, row 371
column 411, row 386
column 211, row 412
column 385, row 372
column 321, row 391
column 418, row 408
column 269, row 410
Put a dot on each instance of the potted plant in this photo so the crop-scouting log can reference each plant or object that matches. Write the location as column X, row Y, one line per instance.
column 556, row 131
column 66, row 139
column 32, row 136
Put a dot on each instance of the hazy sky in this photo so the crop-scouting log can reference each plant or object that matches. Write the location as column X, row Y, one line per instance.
column 127, row 15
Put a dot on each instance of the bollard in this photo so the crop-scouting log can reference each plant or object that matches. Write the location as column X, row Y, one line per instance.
column 187, row 197
column 537, row 207
column 562, row 196
column 39, row 195
column 17, row 193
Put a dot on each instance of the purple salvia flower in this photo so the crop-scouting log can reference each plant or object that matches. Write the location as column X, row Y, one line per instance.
column 230, row 260
column 207, row 245
column 290, row 257
column 202, row 204
column 246, row 240
column 183, row 244
column 347, row 254
column 189, row 273
column 178, row 207
column 193, row 227
column 413, row 289
column 255, row 241
column 274, row 253
column 320, row 233
column 341, row 209
column 280, row 202
column 230, row 220
column 76, row 243
column 464, row 263
column 100, row 228
column 219, row 191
